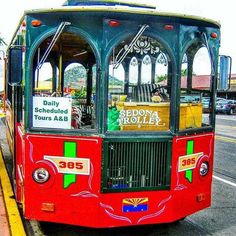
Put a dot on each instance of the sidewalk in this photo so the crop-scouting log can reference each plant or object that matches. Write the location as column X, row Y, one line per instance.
column 10, row 219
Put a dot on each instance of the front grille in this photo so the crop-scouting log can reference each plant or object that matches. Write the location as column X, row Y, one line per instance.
column 136, row 165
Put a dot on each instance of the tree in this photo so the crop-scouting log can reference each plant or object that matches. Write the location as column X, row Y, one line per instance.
column 184, row 72
column 160, row 78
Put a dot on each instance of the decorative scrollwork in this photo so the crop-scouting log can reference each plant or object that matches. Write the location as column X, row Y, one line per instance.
column 161, row 59
column 134, row 61
column 144, row 46
column 147, row 60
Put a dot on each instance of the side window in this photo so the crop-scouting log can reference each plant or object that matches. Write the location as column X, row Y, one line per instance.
column 146, row 70
column 133, row 72
column 64, row 85
column 43, row 82
column 161, row 69
column 195, row 100
column 116, row 79
column 139, row 86
column 202, row 70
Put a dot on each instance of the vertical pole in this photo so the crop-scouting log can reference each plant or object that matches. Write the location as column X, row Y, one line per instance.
column 153, row 72
column 59, row 86
column 139, row 71
column 89, row 82
column 126, row 67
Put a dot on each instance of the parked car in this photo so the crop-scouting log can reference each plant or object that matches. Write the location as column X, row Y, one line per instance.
column 190, row 98
column 226, row 106
column 219, row 99
column 205, row 104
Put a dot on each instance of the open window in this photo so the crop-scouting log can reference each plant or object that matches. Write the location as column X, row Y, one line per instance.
column 139, row 86
column 64, row 85
column 195, row 94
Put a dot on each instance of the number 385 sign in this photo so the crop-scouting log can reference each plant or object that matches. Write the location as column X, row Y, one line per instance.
column 65, row 165
column 189, row 162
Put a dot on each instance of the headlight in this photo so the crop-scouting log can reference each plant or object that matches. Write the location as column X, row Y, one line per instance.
column 204, row 168
column 41, row 175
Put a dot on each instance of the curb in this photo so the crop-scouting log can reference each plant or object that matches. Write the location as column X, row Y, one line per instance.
column 12, row 212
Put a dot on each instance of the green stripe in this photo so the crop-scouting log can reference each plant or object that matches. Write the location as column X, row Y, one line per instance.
column 190, row 150
column 190, row 145
column 70, row 152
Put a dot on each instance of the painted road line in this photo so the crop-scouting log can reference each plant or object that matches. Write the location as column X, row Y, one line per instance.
column 15, row 222
column 233, row 118
column 224, row 181
column 225, row 126
column 226, row 139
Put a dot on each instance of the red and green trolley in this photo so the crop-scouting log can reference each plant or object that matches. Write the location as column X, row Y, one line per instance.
column 105, row 119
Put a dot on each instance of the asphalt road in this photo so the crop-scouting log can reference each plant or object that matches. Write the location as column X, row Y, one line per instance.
column 219, row 219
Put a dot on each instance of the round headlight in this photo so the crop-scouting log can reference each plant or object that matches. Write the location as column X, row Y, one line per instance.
column 204, row 168
column 41, row 175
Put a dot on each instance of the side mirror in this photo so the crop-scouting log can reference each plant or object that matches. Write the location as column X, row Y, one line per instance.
column 225, row 72
column 15, row 66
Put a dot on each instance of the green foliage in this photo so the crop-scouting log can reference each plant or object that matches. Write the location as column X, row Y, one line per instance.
column 74, row 74
column 80, row 93
column 184, row 72
column 160, row 78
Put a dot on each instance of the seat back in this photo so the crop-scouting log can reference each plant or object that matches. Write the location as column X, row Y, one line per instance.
column 143, row 92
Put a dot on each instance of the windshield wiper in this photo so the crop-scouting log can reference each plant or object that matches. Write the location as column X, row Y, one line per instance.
column 52, row 43
column 130, row 46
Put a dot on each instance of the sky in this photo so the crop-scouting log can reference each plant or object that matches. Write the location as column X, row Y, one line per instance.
column 222, row 11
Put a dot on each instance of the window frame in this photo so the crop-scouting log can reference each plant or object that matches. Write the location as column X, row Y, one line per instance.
column 210, row 127
column 172, row 66
column 94, row 48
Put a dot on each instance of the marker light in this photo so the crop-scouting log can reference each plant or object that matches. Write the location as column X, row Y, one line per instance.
column 204, row 168
column 201, row 197
column 214, row 35
column 41, row 175
column 48, row 206
column 169, row 27
column 114, row 23
column 36, row 23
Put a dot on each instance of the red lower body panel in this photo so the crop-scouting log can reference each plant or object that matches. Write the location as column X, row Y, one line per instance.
column 72, row 195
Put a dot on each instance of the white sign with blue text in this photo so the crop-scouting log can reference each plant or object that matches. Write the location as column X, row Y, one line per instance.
column 52, row 112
